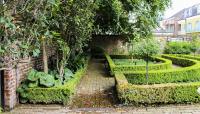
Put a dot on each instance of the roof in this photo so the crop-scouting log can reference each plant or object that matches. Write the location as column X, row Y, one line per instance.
column 186, row 13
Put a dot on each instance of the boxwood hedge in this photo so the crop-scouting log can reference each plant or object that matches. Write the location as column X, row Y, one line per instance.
column 189, row 73
column 166, row 64
column 156, row 94
column 189, row 56
column 60, row 94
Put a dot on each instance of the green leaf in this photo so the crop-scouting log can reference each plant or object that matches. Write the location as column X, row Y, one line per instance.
column 68, row 74
column 33, row 75
column 58, row 83
column 47, row 80
column 33, row 84
column 36, row 52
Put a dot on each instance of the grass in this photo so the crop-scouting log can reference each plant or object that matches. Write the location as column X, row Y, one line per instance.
column 132, row 62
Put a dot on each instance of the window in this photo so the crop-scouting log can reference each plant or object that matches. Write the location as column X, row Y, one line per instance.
column 189, row 27
column 185, row 13
column 198, row 9
column 198, row 26
column 190, row 12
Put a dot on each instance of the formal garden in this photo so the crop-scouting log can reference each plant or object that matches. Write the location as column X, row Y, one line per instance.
column 54, row 38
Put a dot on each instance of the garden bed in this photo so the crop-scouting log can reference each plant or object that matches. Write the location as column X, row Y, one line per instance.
column 168, row 93
column 163, row 64
column 189, row 73
column 163, row 86
column 60, row 94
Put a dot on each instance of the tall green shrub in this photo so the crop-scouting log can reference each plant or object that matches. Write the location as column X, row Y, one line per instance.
column 178, row 48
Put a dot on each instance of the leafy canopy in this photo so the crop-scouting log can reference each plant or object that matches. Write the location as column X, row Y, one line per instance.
column 132, row 17
column 145, row 48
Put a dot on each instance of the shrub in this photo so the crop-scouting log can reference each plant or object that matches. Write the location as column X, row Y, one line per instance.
column 166, row 64
column 57, row 94
column 189, row 56
column 178, row 48
column 190, row 73
column 156, row 94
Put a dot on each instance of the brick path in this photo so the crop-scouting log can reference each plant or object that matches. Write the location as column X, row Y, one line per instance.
column 96, row 89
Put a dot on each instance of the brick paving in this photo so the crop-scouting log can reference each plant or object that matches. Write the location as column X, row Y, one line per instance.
column 96, row 89
column 96, row 95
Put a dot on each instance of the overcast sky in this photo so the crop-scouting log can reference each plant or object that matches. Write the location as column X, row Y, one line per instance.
column 178, row 5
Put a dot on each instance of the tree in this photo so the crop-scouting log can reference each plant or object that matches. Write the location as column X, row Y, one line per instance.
column 128, row 17
column 145, row 48
column 37, row 20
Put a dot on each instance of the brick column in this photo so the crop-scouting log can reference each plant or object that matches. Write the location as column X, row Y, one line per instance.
column 10, row 96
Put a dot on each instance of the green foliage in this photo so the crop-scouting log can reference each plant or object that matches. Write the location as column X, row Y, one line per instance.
column 133, row 17
column 114, row 68
column 57, row 94
column 47, row 80
column 29, row 24
column 58, row 82
column 33, row 75
column 178, row 48
column 189, row 73
column 33, row 84
column 144, row 48
column 132, row 62
column 77, row 62
column 68, row 74
column 195, row 43
column 189, row 57
column 37, row 79
column 111, row 64
column 158, row 93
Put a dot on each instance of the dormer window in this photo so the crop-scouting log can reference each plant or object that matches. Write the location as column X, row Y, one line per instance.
column 185, row 13
column 190, row 12
column 198, row 9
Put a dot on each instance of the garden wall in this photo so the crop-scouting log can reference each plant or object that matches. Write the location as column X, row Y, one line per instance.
column 112, row 44
column 13, row 76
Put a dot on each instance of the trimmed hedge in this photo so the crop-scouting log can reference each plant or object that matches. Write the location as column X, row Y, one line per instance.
column 60, row 94
column 156, row 94
column 189, row 56
column 186, row 74
column 166, row 64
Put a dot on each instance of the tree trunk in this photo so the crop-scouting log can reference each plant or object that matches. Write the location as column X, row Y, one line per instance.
column 45, row 58
column 147, row 70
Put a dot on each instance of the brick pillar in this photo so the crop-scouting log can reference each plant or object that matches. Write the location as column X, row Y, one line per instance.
column 10, row 95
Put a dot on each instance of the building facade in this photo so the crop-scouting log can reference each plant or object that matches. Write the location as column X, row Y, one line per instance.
column 185, row 22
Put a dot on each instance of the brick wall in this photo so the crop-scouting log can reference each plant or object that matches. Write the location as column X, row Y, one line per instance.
column 113, row 44
column 13, row 76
